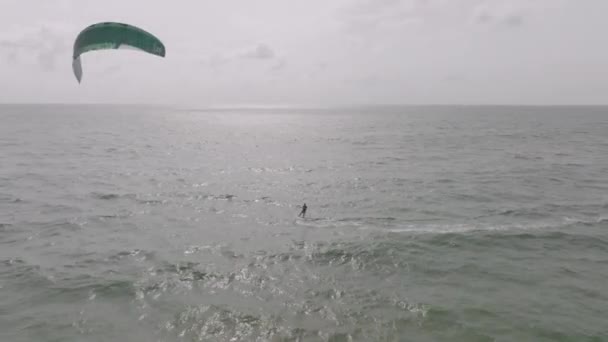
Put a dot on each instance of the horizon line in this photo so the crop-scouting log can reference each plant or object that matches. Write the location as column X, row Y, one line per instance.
column 293, row 106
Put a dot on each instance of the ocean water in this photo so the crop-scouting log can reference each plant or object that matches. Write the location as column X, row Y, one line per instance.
column 127, row 223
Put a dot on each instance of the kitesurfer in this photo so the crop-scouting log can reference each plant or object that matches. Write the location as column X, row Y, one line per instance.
column 303, row 212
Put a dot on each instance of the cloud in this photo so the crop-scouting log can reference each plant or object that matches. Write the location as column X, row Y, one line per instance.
column 501, row 16
column 42, row 46
column 483, row 18
column 6, row 44
column 46, row 60
column 373, row 18
column 514, row 20
column 370, row 7
column 8, row 51
column 260, row 51
column 370, row 15
column 279, row 65
column 216, row 60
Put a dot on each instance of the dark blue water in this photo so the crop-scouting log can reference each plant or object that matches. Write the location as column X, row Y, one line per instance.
column 133, row 223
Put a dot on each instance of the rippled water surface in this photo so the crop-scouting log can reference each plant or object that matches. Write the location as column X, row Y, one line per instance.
column 424, row 224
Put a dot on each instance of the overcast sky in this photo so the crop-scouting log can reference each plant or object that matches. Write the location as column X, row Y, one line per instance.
column 313, row 52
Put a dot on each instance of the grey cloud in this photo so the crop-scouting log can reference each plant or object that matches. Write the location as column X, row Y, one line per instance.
column 46, row 60
column 279, row 65
column 216, row 61
column 369, row 16
column 380, row 16
column 260, row 51
column 512, row 18
column 11, row 57
column 483, row 18
column 5, row 45
column 44, row 45
column 53, row 45
column 9, row 50
column 370, row 7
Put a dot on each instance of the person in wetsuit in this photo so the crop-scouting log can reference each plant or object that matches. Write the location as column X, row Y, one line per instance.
column 303, row 212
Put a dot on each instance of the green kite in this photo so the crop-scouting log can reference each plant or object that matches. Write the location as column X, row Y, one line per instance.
column 109, row 35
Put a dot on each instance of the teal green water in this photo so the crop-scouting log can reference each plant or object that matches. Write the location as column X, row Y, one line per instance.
column 424, row 224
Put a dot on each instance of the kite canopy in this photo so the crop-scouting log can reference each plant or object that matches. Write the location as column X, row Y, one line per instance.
column 106, row 36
